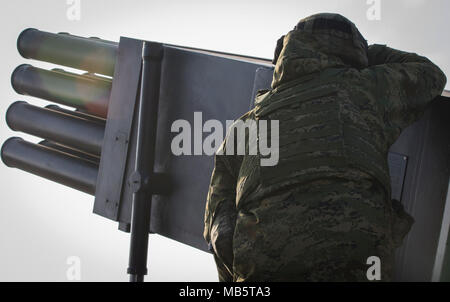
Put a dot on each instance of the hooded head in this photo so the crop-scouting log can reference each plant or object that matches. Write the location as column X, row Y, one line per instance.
column 316, row 43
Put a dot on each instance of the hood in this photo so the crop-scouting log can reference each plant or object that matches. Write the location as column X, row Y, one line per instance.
column 319, row 42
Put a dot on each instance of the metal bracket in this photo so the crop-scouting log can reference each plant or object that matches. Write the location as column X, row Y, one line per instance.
column 115, row 148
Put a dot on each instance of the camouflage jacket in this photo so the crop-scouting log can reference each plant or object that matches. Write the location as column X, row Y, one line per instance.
column 340, row 107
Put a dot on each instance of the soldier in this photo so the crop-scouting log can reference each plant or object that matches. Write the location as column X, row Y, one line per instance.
column 325, row 208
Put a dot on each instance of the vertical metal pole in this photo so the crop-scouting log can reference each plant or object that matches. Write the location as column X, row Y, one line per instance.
column 145, row 156
column 442, row 251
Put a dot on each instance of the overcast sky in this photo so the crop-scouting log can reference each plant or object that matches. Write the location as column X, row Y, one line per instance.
column 42, row 224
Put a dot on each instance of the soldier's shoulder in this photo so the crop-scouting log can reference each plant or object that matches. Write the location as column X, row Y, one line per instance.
column 262, row 92
column 249, row 115
column 375, row 46
column 261, row 95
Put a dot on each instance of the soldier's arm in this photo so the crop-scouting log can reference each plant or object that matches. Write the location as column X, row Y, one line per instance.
column 405, row 83
column 220, row 216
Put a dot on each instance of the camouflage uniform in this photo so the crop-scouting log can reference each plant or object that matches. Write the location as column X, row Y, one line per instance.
column 325, row 207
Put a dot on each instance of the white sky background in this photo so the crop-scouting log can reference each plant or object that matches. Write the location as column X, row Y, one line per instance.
column 42, row 223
